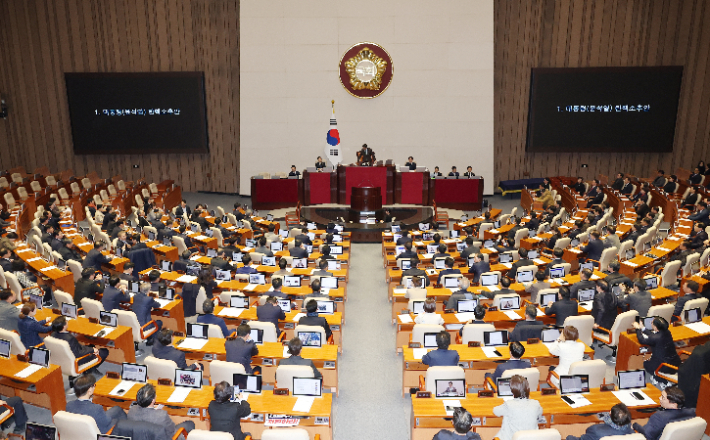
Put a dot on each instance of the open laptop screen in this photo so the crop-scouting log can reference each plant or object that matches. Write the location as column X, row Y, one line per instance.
column 276, row 246
column 406, row 264
column 509, row 303
column 466, row 305
column 292, row 281
column 299, row 263
column 489, row 280
column 268, row 261
column 134, row 372
column 188, row 378
column 417, row 307
column 197, row 331
column 257, row 278
column 108, row 318
column 166, row 265
column 307, row 386
column 211, row 253
column 586, row 294
column 651, row 283
column 310, row 339
column 334, row 265
column 450, row 388
column 239, row 302
column 579, row 383
column 237, row 257
column 336, row 250
column 505, row 258
column 547, row 298
column 285, row 304
column 557, row 272
column 329, row 282
column 693, row 315
column 589, row 266
column 631, row 379
column 451, row 282
column 495, row 338
column 430, row 340
column 257, row 335
column 326, row 307
column 35, row 431
column 550, row 334
column 440, row 263
column 525, row 276
column 503, row 386
column 39, row 356
column 222, row 275
column 247, row 383
column 5, row 346
column 69, row 310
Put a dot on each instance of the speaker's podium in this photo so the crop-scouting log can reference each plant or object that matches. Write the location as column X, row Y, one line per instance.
column 366, row 204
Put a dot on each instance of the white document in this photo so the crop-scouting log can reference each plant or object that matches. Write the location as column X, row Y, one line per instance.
column 493, row 288
column 419, row 353
column 662, row 249
column 201, row 237
column 630, row 263
column 493, row 231
column 540, row 312
column 286, row 354
column 48, row 268
column 34, row 259
column 538, row 261
column 511, row 314
column 578, row 399
column 106, row 331
column 303, row 404
column 419, row 243
column 232, row 312
column 587, row 305
column 699, row 327
column 21, row 251
column 163, row 302
column 247, row 249
column 549, row 345
column 489, row 352
column 465, row 317
column 179, row 395
column 405, row 319
column 594, row 277
column 449, row 405
column 186, row 279
column 298, row 316
column 628, row 399
column 326, row 292
column 250, row 287
column 193, row 344
column 124, row 385
column 195, row 257
column 427, row 256
column 508, row 265
column 28, row 371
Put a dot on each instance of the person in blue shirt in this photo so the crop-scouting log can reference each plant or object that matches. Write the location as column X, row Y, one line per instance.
column 442, row 356
column 517, row 350
column 210, row 318
column 84, row 387
column 246, row 260
column 114, row 296
column 29, row 327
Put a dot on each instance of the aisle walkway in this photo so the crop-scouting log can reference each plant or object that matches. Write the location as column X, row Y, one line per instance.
column 370, row 403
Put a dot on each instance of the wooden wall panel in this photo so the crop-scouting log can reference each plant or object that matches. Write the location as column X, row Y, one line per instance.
column 580, row 33
column 42, row 39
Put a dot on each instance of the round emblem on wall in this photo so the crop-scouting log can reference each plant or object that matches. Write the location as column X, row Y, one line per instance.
column 366, row 70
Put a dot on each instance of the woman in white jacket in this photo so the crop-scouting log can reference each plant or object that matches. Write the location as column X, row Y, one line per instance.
column 569, row 350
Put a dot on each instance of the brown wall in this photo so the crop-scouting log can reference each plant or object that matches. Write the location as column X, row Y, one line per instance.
column 583, row 33
column 41, row 39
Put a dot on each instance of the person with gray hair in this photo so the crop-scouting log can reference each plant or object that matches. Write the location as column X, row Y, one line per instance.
column 463, row 422
column 210, row 318
column 142, row 306
column 294, row 348
column 145, row 410
column 460, row 294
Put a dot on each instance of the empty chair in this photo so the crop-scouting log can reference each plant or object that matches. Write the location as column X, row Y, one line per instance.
column 75, row 188
column 563, row 243
column 50, row 180
column 669, row 274
column 76, row 426
column 14, row 284
column 608, row 255
column 484, row 227
column 121, row 185
column 698, row 303
column 664, row 311
column 440, row 373
column 213, row 331
column 566, row 266
column 610, row 337
column 112, row 190
column 75, row 268
column 584, row 325
column 3, row 182
column 146, row 193
column 92, row 308
column 474, row 332
column 86, row 183
column 22, row 192
column 63, row 195
column 691, row 429
column 140, row 333
column 285, row 434
column 160, row 368
column 63, row 297
column 690, row 261
column 519, row 235
column 16, row 346
column 286, row 373
column 153, row 188
column 104, row 195
column 540, row 434
column 625, row 246
column 9, row 200
column 179, row 243
column 269, row 330
column 224, row 371
column 16, row 177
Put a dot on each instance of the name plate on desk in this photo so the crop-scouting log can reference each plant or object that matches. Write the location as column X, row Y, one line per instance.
column 423, row 394
column 492, row 309
column 112, row 375
column 322, row 421
column 329, row 365
column 22, row 358
column 486, row 393
column 415, row 345
column 631, row 331
column 607, row 387
column 93, row 320
column 474, row 343
column 267, row 361
column 532, row 341
column 289, row 326
column 280, row 391
column 166, row 382
column 449, row 311
column 335, row 328
column 548, row 391
column 179, row 334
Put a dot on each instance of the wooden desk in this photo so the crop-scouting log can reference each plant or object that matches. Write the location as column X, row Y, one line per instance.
column 44, row 388
column 428, row 415
column 474, row 221
column 265, row 403
column 703, row 406
column 476, row 364
column 62, row 280
column 276, row 193
column 462, row 193
column 629, row 357
column 335, row 321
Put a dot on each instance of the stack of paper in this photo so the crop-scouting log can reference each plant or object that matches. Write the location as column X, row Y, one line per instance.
column 298, row 316
column 490, row 352
column 419, row 353
column 538, row 261
column 34, row 259
column 186, row 279
column 508, row 265
column 250, row 287
column 48, row 268
column 232, row 312
column 450, row 405
column 163, row 302
column 493, row 288
column 124, row 385
column 179, row 395
column 628, row 399
column 286, row 354
column 193, row 344
column 303, row 404
column 195, row 257
column 28, row 371
column 106, row 331
column 586, row 305
column 578, row 399
column 405, row 319
column 202, row 237
column 511, row 314
column 699, row 327
column 465, row 317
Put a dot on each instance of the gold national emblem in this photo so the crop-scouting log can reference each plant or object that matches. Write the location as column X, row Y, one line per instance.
column 366, row 70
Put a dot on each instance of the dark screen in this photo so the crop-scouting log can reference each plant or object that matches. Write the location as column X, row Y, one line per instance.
column 137, row 113
column 605, row 109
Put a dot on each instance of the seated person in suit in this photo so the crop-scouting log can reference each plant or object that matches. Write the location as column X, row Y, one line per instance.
column 94, row 259
column 143, row 305
column 127, row 274
column 563, row 307
column 692, row 198
column 470, row 248
column 180, row 265
column 221, row 261
column 325, row 253
column 522, row 261
column 69, row 251
column 453, row 172
column 429, row 316
column 185, row 238
column 84, row 387
column 276, row 284
column 626, row 188
column 463, row 422
column 144, row 409
column 597, row 199
column 478, row 267
column 29, row 327
column 320, row 165
column 322, row 269
column 411, row 164
column 540, row 284
column 442, row 356
column 241, row 349
column 461, row 294
column 294, row 172
column 615, row 277
column 617, row 422
column 154, row 279
column 517, row 350
column 312, row 318
column 299, row 250
column 88, row 285
column 449, row 263
column 408, row 252
column 670, row 186
column 505, row 288
column 271, row 312
column 585, row 282
column 225, row 415
column 529, row 328
column 441, row 252
column 282, row 268
column 246, row 269
column 690, row 291
column 673, row 403
column 436, row 172
column 9, row 314
column 210, row 318
column 660, row 179
column 114, row 295
column 594, row 247
column 226, row 233
column 514, row 229
column 59, row 331
column 262, row 249
column 294, row 348
column 305, row 239
column 163, row 349
column 579, row 186
column 402, row 241
column 696, row 177
column 639, row 300
column 414, row 271
column 469, row 172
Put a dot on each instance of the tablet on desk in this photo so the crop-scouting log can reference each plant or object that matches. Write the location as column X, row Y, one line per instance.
column 246, row 383
column 586, row 294
column 222, row 275
column 578, row 383
column 547, row 298
column 165, row 292
column 166, row 265
column 466, row 305
column 557, row 272
column 447, row 388
column 285, row 304
column 134, row 372
column 69, row 310
column 334, row 264
column 257, row 335
column 211, row 253
column 292, row 281
column 525, row 276
column 440, row 263
column 310, row 339
column 430, row 340
column 239, row 302
column 417, row 307
column 495, row 338
column 108, row 319
column 237, row 257
column 509, row 303
column 276, row 246
column 299, row 263
column 268, row 261
column 631, row 380
column 588, row 265
column 257, row 278
column 61, row 264
column 199, row 331
column 533, row 254
column 431, row 248
column 646, row 321
column 505, row 257
column 651, row 283
column 452, row 282
column 692, row 315
column 460, row 246
column 336, row 250
column 307, row 386
column 188, row 379
column 326, row 307
column 5, row 347
column 37, row 299
column 503, row 386
column 550, row 335
column 39, row 356
column 329, row 282
column 489, row 279
column 35, row 431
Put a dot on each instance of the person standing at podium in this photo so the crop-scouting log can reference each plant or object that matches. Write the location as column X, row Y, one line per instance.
column 320, row 165
column 411, row 164
column 365, row 156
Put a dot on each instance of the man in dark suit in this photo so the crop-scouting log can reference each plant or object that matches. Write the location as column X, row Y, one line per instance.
column 441, row 252
column 294, row 348
column 271, row 312
column 562, row 308
column 618, row 182
column 672, row 401
column 408, row 252
column 47, row 235
column 143, row 305
column 59, row 331
column 585, row 283
column 5, row 261
column 127, row 274
column 522, row 261
column 635, row 233
column 226, row 233
column 411, row 164
column 690, row 291
column 615, row 277
column 695, row 178
column 627, row 187
column 597, row 199
column 442, row 356
column 305, row 239
column 402, row 241
column 594, row 247
column 533, row 223
column 84, row 387
column 640, row 300
column 470, row 248
column 530, row 328
column 94, row 259
column 579, row 186
column 517, row 350
column 221, row 261
column 146, row 410
column 449, row 263
column 241, row 349
column 312, row 318
column 660, row 179
column 276, row 283
column 702, row 215
column 453, row 172
column 642, row 209
column 670, row 186
column 246, row 269
column 617, row 423
column 514, row 229
column 461, row 294
column 181, row 264
column 299, row 250
column 682, row 252
column 113, row 296
column 413, row 271
column 469, row 172
column 698, row 236
column 163, row 349
column 185, row 238
column 68, row 251
column 692, row 198
column 209, row 318
column 88, row 285
column 182, row 209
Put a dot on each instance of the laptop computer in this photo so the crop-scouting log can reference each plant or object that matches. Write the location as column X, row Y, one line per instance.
column 424, row 226
column 35, row 431
column 199, row 331
column 222, row 275
column 276, row 246
column 285, row 304
column 208, row 233
column 337, row 238
column 432, row 249
column 524, row 276
column 503, row 386
column 334, row 265
column 329, row 282
column 447, row 388
column 533, row 254
column 192, row 270
column 283, row 233
column 257, row 278
column 268, row 261
column 466, row 305
column 588, row 265
column 578, row 383
column 39, row 356
column 237, row 257
column 134, row 286
column 299, row 263
column 488, row 244
column 37, row 299
column 549, row 335
column 430, row 340
column 509, row 303
column 108, row 319
column 5, row 347
column 257, row 335
column 292, row 281
column 452, row 282
column 69, row 310
column 396, row 228
column 460, row 246
column 247, row 383
column 495, row 338
column 631, row 380
column 336, row 250
column 269, row 217
column 406, row 264
column 166, row 265
column 188, row 379
column 646, row 321
column 211, row 253
column 505, row 257
column 326, row 307
column 310, row 339
column 651, row 283
column 440, row 263
column 134, row 372
column 61, row 264
column 547, row 298
column 692, row 315
column 239, row 302
column 250, row 243
column 151, row 235
column 584, row 295
column 489, row 280
column 307, row 386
